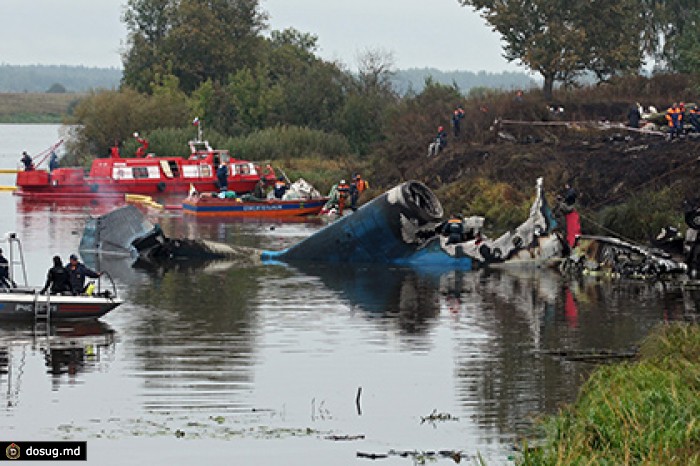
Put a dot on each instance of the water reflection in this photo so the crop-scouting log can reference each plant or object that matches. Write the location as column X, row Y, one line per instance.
column 191, row 329
column 68, row 351
column 407, row 295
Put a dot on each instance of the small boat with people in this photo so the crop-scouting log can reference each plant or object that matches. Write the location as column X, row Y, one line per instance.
column 147, row 174
column 27, row 303
column 300, row 199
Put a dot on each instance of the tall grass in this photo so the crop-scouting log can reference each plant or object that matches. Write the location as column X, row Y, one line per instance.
column 643, row 216
column 503, row 206
column 284, row 142
column 645, row 413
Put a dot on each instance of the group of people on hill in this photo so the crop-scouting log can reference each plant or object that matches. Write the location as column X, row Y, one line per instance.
column 676, row 117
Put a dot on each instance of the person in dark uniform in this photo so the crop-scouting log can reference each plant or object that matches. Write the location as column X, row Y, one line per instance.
column 53, row 161
column 27, row 161
column 57, row 278
column 259, row 190
column 454, row 229
column 222, row 177
column 77, row 273
column 4, row 272
column 569, row 195
column 633, row 116
column 442, row 137
column 280, row 188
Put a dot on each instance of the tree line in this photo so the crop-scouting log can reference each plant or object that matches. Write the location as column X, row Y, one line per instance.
column 57, row 78
column 561, row 39
column 217, row 61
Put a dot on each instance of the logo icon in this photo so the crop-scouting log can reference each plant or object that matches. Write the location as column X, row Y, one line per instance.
column 12, row 451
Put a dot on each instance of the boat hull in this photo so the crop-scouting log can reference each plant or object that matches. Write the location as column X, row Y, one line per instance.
column 111, row 189
column 153, row 176
column 22, row 305
column 215, row 207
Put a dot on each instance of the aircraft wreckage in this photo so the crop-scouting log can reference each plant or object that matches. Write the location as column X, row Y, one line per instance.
column 404, row 227
column 126, row 231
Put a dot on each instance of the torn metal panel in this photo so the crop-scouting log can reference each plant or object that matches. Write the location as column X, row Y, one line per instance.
column 126, row 231
column 607, row 255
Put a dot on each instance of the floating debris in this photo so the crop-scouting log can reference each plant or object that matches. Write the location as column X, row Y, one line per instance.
column 345, row 437
column 420, row 457
column 436, row 417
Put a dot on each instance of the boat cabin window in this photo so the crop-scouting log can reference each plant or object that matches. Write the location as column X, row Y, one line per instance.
column 205, row 170
column 170, row 168
column 140, row 172
column 244, row 169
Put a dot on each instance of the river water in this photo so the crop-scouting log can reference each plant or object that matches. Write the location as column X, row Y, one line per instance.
column 277, row 365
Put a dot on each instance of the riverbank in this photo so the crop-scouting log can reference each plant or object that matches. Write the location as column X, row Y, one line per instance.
column 40, row 107
column 645, row 412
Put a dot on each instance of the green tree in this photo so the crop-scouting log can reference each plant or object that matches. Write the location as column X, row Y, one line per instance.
column 613, row 41
column 313, row 91
column 686, row 51
column 193, row 40
column 669, row 27
column 253, row 97
column 371, row 94
column 560, row 39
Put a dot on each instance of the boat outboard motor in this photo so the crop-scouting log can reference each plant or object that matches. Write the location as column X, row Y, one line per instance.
column 389, row 229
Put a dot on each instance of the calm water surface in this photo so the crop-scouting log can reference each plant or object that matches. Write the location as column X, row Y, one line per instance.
column 222, row 364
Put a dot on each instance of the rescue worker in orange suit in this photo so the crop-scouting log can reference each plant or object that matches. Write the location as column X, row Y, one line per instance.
column 343, row 193
column 357, row 187
column 454, row 229
column 674, row 116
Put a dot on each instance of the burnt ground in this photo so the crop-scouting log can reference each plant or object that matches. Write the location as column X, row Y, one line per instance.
column 606, row 167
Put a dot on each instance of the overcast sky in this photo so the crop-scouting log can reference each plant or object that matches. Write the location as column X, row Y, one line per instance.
column 419, row 33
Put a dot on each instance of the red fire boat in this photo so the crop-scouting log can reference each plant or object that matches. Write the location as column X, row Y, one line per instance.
column 114, row 176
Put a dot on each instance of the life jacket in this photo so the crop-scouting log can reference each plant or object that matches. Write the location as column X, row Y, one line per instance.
column 455, row 225
column 361, row 185
column 674, row 115
column 343, row 189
